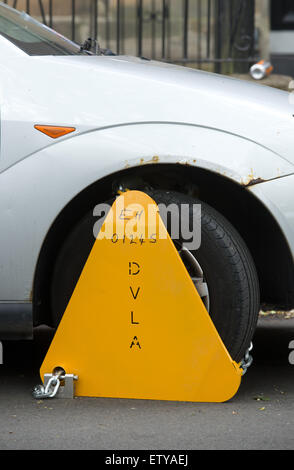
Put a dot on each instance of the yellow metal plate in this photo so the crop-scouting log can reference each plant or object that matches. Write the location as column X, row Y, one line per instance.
column 135, row 326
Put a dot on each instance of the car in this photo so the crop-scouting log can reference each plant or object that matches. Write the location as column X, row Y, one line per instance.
column 77, row 128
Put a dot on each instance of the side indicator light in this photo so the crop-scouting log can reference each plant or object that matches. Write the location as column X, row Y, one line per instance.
column 55, row 131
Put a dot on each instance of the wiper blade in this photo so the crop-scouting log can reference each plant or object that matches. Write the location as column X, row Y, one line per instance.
column 92, row 46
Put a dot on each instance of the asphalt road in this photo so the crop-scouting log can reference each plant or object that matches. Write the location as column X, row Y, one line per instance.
column 260, row 416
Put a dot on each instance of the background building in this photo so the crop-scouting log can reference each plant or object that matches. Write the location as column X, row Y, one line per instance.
column 282, row 35
column 219, row 35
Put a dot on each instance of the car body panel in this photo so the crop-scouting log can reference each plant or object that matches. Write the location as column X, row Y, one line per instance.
column 80, row 92
column 127, row 112
column 278, row 197
column 48, row 180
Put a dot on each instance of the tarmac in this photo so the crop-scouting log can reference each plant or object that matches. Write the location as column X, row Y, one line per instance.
column 259, row 417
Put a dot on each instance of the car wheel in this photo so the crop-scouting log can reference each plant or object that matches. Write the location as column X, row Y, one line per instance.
column 222, row 270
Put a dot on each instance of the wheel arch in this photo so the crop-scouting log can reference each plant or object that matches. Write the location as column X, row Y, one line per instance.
column 246, row 213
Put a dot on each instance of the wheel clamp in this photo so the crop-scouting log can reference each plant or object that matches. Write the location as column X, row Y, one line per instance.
column 135, row 326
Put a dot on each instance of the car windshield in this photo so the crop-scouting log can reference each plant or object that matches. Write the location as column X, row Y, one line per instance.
column 33, row 37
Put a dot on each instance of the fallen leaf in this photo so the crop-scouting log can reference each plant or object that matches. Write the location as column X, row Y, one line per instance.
column 261, row 398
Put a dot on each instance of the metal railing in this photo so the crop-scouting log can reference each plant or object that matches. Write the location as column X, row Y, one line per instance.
column 213, row 34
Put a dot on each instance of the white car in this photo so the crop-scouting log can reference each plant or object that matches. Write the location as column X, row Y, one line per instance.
column 77, row 127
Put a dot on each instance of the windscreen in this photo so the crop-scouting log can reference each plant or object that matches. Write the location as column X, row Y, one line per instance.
column 33, row 37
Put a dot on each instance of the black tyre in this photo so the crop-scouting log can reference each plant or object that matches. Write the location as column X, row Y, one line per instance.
column 222, row 270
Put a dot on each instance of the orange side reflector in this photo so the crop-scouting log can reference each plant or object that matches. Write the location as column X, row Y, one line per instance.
column 55, row 131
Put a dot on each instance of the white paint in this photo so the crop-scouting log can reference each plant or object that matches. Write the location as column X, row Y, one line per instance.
column 126, row 111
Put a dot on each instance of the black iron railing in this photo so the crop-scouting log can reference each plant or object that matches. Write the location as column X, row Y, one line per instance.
column 216, row 34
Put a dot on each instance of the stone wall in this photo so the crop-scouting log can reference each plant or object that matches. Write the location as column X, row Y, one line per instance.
column 262, row 23
column 62, row 10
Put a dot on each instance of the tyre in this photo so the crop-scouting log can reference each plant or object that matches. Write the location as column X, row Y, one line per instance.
column 222, row 270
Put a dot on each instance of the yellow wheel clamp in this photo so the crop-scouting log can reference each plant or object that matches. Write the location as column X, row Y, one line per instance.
column 135, row 326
